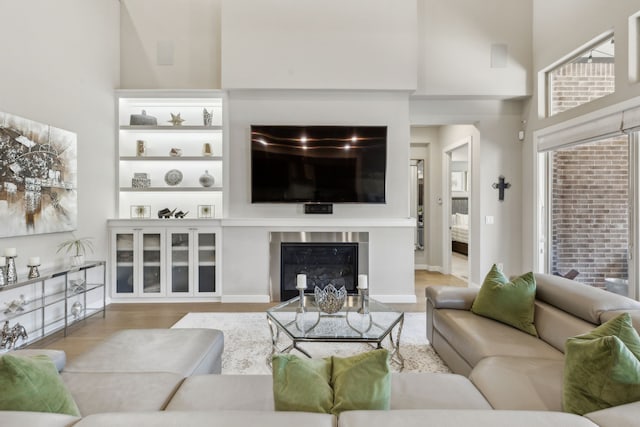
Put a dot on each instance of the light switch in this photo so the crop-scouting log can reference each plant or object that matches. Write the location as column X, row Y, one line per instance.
column 488, row 219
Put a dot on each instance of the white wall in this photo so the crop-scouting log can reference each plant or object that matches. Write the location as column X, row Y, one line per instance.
column 551, row 43
column 189, row 29
column 60, row 65
column 389, row 109
column 455, row 39
column 306, row 44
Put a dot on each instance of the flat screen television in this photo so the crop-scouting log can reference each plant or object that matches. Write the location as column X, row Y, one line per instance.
column 328, row 164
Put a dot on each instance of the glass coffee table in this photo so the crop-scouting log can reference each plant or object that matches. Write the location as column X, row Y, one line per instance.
column 374, row 323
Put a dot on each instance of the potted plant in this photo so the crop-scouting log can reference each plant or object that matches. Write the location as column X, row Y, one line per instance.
column 77, row 248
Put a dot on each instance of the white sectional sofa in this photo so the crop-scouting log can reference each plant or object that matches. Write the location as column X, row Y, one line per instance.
column 514, row 379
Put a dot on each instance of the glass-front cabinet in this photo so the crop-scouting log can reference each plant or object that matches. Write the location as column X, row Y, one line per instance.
column 164, row 261
column 206, row 262
column 152, row 261
column 192, row 261
column 138, row 258
column 179, row 261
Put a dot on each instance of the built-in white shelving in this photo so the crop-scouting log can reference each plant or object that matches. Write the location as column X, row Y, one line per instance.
column 194, row 148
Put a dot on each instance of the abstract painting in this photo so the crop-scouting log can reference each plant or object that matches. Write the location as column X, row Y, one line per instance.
column 38, row 178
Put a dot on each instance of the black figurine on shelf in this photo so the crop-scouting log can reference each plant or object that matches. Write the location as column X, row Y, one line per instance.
column 165, row 213
column 180, row 214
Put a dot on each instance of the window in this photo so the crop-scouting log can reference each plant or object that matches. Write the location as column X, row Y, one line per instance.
column 589, row 212
column 589, row 75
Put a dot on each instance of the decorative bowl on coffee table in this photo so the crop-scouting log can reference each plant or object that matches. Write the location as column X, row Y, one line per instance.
column 330, row 300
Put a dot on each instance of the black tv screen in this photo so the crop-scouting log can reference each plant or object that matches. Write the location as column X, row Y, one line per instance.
column 334, row 164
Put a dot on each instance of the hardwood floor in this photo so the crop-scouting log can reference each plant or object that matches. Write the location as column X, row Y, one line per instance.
column 89, row 332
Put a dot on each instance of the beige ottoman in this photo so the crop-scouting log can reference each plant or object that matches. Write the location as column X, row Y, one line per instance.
column 180, row 351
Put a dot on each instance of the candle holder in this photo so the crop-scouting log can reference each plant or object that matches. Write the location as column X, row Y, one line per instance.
column 301, row 308
column 33, row 271
column 12, row 274
column 364, row 301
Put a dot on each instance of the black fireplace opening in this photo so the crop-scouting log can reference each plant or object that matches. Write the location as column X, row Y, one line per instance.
column 323, row 263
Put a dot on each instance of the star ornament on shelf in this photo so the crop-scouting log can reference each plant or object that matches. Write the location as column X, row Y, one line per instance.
column 176, row 120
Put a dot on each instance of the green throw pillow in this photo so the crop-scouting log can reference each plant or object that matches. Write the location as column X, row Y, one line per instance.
column 602, row 368
column 512, row 303
column 361, row 382
column 301, row 384
column 33, row 384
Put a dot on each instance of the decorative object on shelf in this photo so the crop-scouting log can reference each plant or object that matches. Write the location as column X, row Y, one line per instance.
column 206, row 179
column 33, row 264
column 10, row 255
column 173, row 177
column 3, row 268
column 180, row 214
column 141, row 148
column 207, row 117
column 10, row 335
column 176, row 120
column 142, row 119
column 15, row 305
column 77, row 286
column 38, row 165
column 33, row 272
column 206, row 149
column 330, row 300
column 78, row 247
column 140, row 180
column 205, row 211
column 140, row 211
column 76, row 310
column 165, row 213
column 175, row 152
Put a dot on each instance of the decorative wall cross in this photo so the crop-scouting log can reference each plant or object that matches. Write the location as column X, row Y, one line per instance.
column 501, row 186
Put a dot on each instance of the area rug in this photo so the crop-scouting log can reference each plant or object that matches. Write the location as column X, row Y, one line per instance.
column 247, row 342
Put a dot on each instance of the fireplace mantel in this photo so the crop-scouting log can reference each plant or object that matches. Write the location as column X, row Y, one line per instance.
column 319, row 221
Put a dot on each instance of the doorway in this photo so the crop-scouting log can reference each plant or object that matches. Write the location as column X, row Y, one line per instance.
column 457, row 182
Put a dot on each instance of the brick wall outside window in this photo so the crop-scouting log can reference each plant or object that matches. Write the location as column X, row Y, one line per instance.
column 578, row 83
column 589, row 208
column 590, row 211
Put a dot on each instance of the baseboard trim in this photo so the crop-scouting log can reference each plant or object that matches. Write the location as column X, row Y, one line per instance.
column 246, row 298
